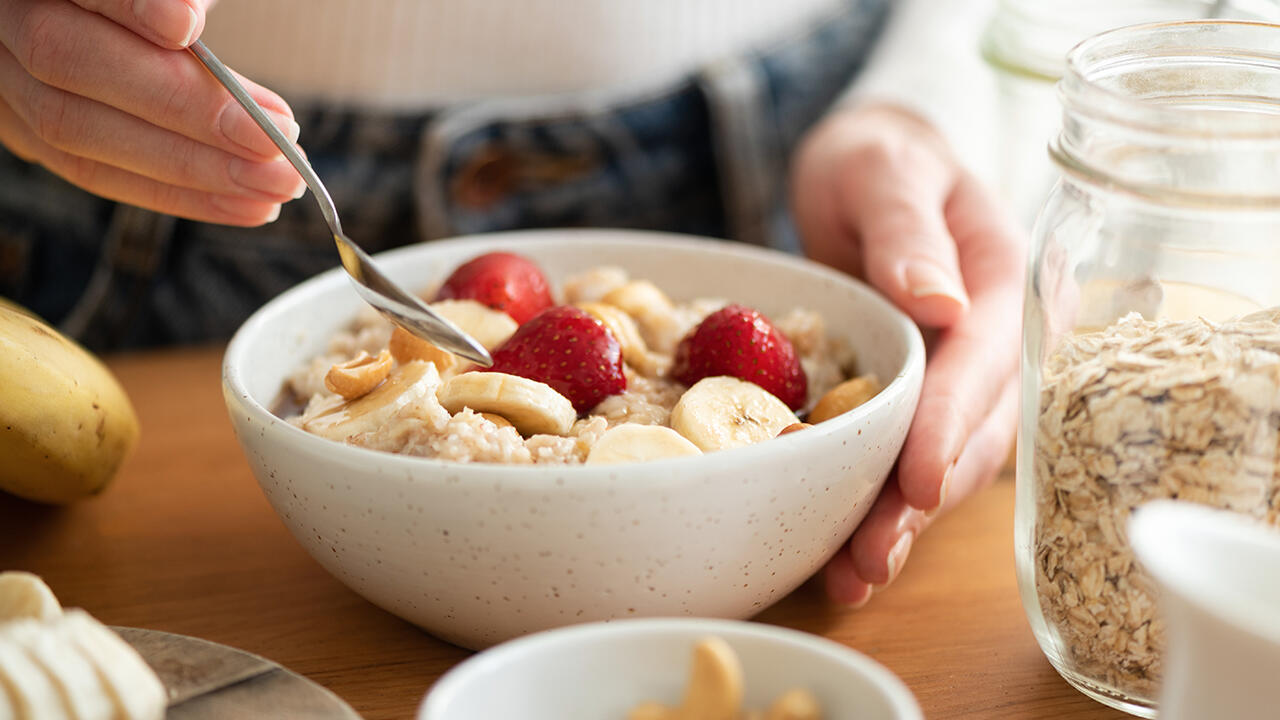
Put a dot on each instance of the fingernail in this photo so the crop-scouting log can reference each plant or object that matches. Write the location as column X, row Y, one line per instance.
column 289, row 126
column 943, row 489
column 239, row 128
column 275, row 177
column 925, row 279
column 275, row 214
column 172, row 20
column 898, row 555
column 852, row 595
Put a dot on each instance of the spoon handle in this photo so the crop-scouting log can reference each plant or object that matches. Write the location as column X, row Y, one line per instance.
column 402, row 307
column 229, row 81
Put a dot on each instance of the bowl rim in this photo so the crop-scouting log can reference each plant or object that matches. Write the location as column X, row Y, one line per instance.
column 236, row 353
column 527, row 648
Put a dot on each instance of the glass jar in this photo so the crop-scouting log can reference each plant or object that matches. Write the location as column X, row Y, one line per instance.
column 1026, row 44
column 1151, row 351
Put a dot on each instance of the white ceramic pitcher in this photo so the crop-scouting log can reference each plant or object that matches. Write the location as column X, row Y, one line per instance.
column 1219, row 575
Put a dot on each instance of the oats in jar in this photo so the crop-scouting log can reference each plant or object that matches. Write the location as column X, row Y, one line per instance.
column 1138, row 412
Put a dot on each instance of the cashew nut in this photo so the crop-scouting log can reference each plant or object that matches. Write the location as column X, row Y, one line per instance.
column 358, row 376
column 793, row 427
column 715, row 692
column 407, row 347
column 845, row 397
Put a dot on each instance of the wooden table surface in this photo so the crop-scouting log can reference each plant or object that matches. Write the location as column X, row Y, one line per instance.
column 184, row 541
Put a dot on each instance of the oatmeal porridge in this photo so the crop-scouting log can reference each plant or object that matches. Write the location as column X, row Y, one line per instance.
column 607, row 352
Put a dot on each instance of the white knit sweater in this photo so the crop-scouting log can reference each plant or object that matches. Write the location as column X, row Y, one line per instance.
column 410, row 53
column 417, row 54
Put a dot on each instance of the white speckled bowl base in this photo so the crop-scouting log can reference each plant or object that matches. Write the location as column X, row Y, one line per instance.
column 477, row 553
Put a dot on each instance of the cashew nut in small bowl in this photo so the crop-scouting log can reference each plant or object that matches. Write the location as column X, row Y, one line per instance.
column 359, row 375
column 715, row 692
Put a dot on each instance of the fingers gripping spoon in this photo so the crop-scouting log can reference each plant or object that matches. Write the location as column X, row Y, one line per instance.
column 398, row 305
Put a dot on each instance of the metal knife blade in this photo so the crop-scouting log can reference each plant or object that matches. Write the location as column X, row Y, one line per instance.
column 208, row 681
column 189, row 667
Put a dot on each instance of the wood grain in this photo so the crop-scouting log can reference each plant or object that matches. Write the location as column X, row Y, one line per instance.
column 185, row 542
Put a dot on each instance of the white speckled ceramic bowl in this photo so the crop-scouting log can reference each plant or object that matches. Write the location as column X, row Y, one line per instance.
column 479, row 553
column 602, row 670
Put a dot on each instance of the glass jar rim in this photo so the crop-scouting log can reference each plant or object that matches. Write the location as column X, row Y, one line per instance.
column 1087, row 100
column 1031, row 38
column 1079, row 90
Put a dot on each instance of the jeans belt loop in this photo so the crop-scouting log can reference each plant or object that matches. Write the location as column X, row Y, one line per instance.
column 16, row 249
column 431, row 175
column 134, row 248
column 746, row 147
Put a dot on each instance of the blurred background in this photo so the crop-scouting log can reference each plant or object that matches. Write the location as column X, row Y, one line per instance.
column 1025, row 45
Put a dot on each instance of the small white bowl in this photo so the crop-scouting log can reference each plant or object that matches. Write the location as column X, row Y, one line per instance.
column 602, row 670
column 1218, row 582
column 480, row 553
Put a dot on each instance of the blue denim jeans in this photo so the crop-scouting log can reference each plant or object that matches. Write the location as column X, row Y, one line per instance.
column 707, row 156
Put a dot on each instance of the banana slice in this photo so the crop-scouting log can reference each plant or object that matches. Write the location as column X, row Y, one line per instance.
column 489, row 327
column 636, row 443
column 496, row 419
column 715, row 683
column 624, row 328
column 24, row 595
column 533, row 407
column 637, row 298
column 409, row 383
column 32, row 691
column 78, row 685
column 8, row 705
column 725, row 412
column 593, row 284
column 652, row 310
column 134, row 689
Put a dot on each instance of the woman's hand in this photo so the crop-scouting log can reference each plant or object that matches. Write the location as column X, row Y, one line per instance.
column 101, row 93
column 877, row 193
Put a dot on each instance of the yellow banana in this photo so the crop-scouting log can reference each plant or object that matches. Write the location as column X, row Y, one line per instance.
column 66, row 425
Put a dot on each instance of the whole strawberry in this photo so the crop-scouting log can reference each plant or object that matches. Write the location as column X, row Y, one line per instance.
column 503, row 281
column 569, row 350
column 740, row 342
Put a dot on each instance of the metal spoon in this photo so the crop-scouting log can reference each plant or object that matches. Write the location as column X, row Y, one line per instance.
column 398, row 305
